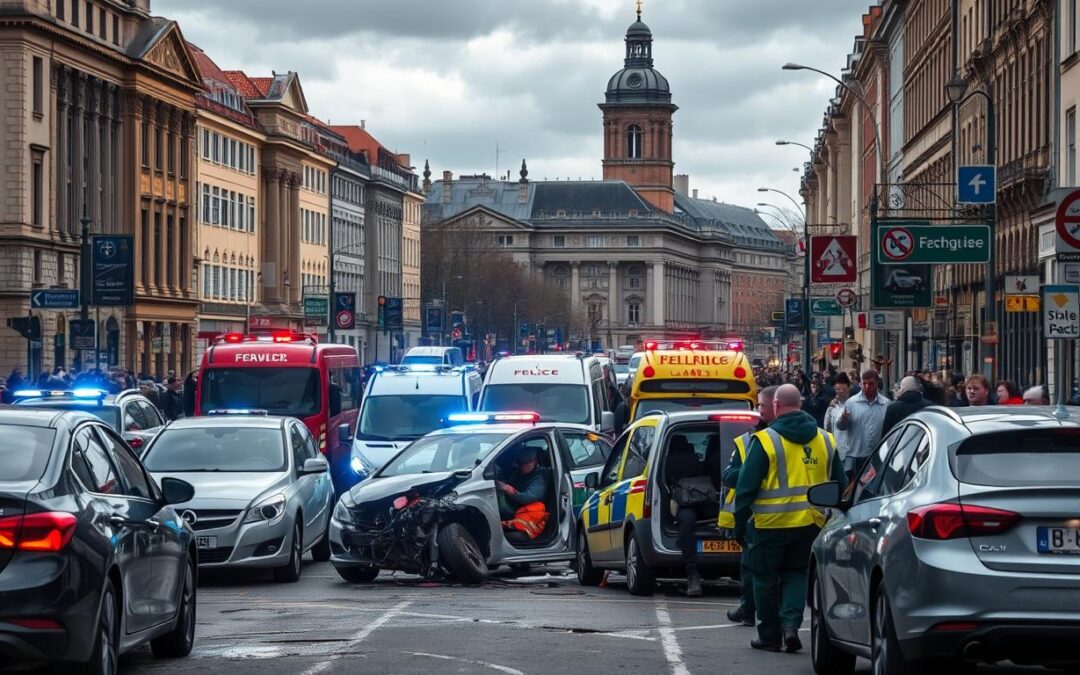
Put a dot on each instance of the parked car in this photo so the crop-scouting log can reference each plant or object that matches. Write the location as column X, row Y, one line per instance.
column 956, row 544
column 94, row 559
column 263, row 491
column 433, row 508
column 128, row 413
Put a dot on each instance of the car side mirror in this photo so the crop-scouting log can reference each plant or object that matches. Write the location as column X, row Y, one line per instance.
column 489, row 471
column 592, row 481
column 314, row 465
column 176, row 491
column 344, row 434
column 607, row 421
column 827, row 495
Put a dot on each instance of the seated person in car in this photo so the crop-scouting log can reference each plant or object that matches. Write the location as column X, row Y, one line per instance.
column 522, row 496
column 684, row 468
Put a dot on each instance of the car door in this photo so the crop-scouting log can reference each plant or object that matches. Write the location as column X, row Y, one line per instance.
column 633, row 468
column 303, row 485
column 322, row 496
column 596, row 513
column 122, row 519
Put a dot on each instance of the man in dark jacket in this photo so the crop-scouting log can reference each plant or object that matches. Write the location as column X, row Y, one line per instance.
column 189, row 394
column 172, row 401
column 909, row 399
column 525, row 486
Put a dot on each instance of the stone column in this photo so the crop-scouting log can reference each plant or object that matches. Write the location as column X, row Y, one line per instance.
column 658, row 292
column 271, row 211
column 78, row 152
column 61, row 159
column 575, row 285
column 294, row 239
column 93, row 180
column 613, row 294
column 109, row 221
column 647, row 307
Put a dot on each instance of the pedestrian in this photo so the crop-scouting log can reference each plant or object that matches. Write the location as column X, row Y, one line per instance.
column 977, row 389
column 862, row 418
column 782, row 463
column 172, row 400
column 1008, row 393
column 1037, row 395
column 909, row 399
column 959, row 395
column 817, row 402
column 842, row 387
column 744, row 613
column 190, row 383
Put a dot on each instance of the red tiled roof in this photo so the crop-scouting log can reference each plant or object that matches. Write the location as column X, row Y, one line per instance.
column 360, row 140
column 262, row 84
column 207, row 68
column 243, row 83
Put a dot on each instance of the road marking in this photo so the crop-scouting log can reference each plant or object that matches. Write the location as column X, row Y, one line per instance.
column 358, row 637
column 672, row 651
column 484, row 664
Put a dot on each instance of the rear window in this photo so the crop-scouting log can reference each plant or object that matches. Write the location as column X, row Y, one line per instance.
column 24, row 452
column 695, row 386
column 1019, row 459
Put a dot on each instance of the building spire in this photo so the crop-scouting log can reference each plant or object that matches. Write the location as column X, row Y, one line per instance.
column 639, row 10
column 524, row 173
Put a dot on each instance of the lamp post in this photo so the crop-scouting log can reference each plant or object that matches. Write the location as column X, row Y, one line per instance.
column 801, row 145
column 806, row 280
column 85, row 280
column 955, row 90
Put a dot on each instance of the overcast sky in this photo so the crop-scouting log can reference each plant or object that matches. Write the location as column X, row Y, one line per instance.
column 448, row 79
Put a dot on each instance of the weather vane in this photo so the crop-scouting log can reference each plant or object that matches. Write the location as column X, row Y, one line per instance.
column 639, row 10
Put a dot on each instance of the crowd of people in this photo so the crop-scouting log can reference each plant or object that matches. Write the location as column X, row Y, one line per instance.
column 174, row 396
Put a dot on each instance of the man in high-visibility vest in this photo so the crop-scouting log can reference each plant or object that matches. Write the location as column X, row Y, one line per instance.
column 782, row 463
column 744, row 613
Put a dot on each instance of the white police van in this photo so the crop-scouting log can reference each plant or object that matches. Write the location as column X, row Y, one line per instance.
column 560, row 387
column 403, row 403
column 433, row 356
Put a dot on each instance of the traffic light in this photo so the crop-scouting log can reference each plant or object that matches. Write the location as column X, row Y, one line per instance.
column 859, row 358
column 834, row 350
column 523, row 330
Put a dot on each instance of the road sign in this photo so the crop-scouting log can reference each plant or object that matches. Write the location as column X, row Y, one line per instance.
column 934, row 244
column 833, row 259
column 819, row 323
column 345, row 310
column 433, row 320
column 1061, row 312
column 884, row 320
column 394, row 313
column 59, row 298
column 82, row 334
column 1067, row 224
column 897, row 286
column 976, row 184
column 1021, row 303
column 825, row 307
column 112, row 271
column 316, row 309
column 1021, row 285
column 794, row 314
column 846, row 297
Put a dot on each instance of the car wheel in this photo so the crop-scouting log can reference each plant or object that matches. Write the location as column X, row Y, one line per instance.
column 460, row 554
column 105, row 657
column 358, row 575
column 640, row 580
column 587, row 574
column 181, row 639
column 321, row 552
column 290, row 572
column 885, row 655
column 825, row 657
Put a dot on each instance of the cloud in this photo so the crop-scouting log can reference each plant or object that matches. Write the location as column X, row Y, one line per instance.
column 448, row 81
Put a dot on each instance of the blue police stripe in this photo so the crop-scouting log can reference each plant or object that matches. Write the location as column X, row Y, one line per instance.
column 594, row 509
column 618, row 504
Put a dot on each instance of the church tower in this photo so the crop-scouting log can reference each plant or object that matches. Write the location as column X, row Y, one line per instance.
column 637, row 123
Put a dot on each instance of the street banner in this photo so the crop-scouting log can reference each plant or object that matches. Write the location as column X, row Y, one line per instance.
column 896, row 286
column 832, row 259
column 112, row 271
column 905, row 244
column 1061, row 312
column 345, row 310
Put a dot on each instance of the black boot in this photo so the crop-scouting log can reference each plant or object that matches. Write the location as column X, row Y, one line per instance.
column 792, row 643
column 693, row 582
column 765, row 646
column 741, row 615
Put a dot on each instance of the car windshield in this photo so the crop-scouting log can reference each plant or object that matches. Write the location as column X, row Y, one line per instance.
column 290, row 392
column 1028, row 458
column 24, row 451
column 444, row 453
column 688, row 403
column 422, row 361
column 216, row 449
column 109, row 414
column 406, row 416
column 634, row 361
column 555, row 402
column 622, row 368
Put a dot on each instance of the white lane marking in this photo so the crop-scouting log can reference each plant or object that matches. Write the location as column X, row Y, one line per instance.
column 672, row 651
column 359, row 637
column 238, row 652
column 482, row 664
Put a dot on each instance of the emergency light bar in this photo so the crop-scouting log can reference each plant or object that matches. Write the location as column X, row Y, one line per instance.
column 493, row 417
column 276, row 336
column 735, row 417
column 238, row 411
column 85, row 393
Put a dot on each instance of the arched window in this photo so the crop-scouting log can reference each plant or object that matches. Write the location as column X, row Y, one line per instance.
column 633, row 142
column 562, row 277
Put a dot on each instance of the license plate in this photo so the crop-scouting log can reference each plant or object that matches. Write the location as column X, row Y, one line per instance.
column 206, row 542
column 1059, row 540
column 718, row 546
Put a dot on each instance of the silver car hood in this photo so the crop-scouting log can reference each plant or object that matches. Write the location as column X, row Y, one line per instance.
column 378, row 453
column 231, row 490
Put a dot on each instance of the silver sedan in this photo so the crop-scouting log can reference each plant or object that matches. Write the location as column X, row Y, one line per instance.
column 263, row 495
column 958, row 543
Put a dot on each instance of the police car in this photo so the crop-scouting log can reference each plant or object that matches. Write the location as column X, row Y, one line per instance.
column 128, row 413
column 628, row 522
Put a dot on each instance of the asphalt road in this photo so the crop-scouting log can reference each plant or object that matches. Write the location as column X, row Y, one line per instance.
column 540, row 621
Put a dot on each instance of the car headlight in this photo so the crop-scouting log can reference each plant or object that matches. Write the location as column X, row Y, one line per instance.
column 342, row 514
column 268, row 510
column 360, row 465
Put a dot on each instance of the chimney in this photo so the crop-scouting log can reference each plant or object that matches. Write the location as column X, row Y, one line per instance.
column 682, row 184
column 448, row 185
column 363, row 124
column 695, row 193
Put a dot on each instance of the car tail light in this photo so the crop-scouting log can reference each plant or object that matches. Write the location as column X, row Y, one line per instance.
column 954, row 627
column 955, row 521
column 739, row 372
column 35, row 624
column 641, row 486
column 49, row 531
column 648, row 371
column 734, row 417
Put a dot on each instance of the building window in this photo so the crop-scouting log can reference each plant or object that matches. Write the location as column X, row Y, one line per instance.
column 39, row 86
column 633, row 313
column 633, row 142
column 74, row 12
column 633, row 240
column 60, row 9
column 37, row 266
column 1070, row 146
column 1072, row 27
column 635, row 277
column 172, row 154
column 146, row 144
column 562, row 278
column 116, row 29
column 559, row 241
column 505, row 240
column 594, row 241
column 89, row 17
column 101, row 23
column 37, row 190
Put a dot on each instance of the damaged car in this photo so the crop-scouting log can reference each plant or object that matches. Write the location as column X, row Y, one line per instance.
column 447, row 504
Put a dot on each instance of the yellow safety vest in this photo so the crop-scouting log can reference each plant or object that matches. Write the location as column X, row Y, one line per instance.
column 726, row 520
column 793, row 469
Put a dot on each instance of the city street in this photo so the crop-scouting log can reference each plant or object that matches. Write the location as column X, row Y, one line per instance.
column 543, row 622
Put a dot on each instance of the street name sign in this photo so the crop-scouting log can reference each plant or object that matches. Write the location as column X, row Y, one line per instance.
column 825, row 307
column 1067, row 226
column 57, row 298
column 832, row 259
column 976, row 184
column 934, row 244
column 1061, row 312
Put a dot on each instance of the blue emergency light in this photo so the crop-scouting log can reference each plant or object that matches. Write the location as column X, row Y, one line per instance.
column 237, row 411
column 493, row 417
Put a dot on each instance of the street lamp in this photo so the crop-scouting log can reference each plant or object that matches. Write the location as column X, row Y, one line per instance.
column 801, row 145
column 806, row 278
column 955, row 90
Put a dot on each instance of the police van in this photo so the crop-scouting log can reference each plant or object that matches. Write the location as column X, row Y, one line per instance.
column 403, row 403
column 560, row 387
column 433, row 356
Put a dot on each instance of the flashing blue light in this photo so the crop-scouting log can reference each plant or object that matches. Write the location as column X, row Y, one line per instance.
column 28, row 393
column 237, row 411
column 357, row 465
column 467, row 418
column 87, row 392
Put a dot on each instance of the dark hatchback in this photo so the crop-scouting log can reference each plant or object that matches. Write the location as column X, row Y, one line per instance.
column 93, row 559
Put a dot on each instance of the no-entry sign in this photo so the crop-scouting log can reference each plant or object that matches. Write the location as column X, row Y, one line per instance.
column 1067, row 224
column 934, row 244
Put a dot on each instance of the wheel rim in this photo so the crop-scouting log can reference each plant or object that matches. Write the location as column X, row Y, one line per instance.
column 879, row 648
column 582, row 554
column 296, row 550
column 816, row 625
column 108, row 625
column 188, row 609
column 631, row 564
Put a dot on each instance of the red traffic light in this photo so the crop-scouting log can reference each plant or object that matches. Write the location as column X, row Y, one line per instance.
column 835, row 349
